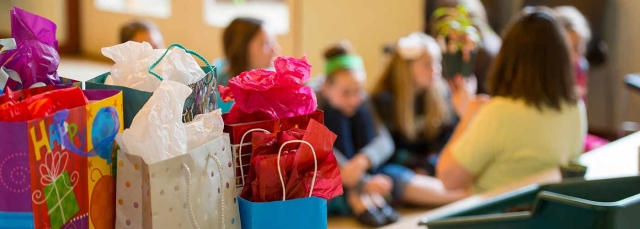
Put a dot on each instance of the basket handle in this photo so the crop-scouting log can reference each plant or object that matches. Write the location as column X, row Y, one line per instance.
column 240, row 150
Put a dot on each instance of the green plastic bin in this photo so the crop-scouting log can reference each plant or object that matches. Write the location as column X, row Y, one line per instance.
column 596, row 204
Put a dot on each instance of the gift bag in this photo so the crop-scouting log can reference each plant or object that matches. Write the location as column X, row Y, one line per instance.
column 202, row 99
column 175, row 174
column 307, row 212
column 240, row 135
column 194, row 190
column 269, row 101
column 57, row 171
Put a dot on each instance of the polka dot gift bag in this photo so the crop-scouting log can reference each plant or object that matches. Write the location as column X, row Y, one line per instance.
column 171, row 174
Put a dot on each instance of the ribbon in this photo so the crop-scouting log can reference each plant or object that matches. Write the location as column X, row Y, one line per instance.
column 60, row 128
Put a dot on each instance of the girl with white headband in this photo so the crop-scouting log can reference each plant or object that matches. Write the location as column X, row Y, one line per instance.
column 412, row 101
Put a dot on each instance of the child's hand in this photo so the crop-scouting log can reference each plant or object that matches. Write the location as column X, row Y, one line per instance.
column 354, row 170
column 463, row 91
column 380, row 184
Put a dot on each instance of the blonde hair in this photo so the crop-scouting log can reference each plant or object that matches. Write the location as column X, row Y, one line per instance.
column 397, row 79
column 574, row 21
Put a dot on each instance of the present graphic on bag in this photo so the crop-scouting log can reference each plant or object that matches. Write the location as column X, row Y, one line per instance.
column 58, row 189
column 62, row 203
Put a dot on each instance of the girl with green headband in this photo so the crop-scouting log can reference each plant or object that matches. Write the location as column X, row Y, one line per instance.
column 363, row 147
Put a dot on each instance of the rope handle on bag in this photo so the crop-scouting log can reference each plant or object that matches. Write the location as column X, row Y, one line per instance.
column 315, row 160
column 240, row 150
column 176, row 45
column 192, row 217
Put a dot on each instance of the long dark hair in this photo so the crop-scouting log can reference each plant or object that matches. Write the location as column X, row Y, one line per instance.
column 236, row 39
column 534, row 63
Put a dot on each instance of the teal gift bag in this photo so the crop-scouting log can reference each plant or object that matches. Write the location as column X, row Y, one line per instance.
column 308, row 213
column 203, row 98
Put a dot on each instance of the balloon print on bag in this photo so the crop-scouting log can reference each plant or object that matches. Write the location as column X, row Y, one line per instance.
column 105, row 126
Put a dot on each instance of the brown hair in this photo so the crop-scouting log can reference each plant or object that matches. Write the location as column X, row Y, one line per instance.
column 343, row 47
column 129, row 30
column 534, row 63
column 236, row 39
column 397, row 80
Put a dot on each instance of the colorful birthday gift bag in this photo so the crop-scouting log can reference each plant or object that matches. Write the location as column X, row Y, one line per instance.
column 56, row 171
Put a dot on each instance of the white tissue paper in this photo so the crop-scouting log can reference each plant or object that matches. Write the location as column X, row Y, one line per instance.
column 157, row 132
column 133, row 59
column 204, row 128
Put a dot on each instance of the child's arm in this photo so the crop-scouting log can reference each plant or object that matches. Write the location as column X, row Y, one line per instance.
column 380, row 149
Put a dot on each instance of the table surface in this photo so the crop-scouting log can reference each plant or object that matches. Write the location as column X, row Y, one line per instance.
column 616, row 159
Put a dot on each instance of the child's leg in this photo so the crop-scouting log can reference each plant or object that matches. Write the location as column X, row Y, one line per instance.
column 429, row 191
column 419, row 189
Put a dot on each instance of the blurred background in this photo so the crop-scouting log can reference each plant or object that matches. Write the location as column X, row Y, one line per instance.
column 306, row 27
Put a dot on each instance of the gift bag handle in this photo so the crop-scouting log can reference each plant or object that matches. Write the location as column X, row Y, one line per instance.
column 240, row 150
column 315, row 160
column 192, row 217
column 176, row 45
